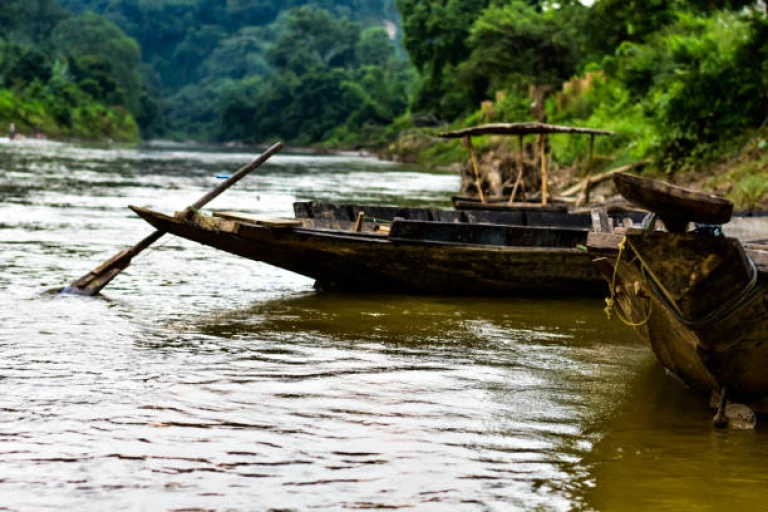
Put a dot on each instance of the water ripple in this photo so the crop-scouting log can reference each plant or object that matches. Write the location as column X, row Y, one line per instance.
column 200, row 381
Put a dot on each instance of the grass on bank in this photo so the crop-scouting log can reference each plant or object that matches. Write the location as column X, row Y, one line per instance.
column 64, row 114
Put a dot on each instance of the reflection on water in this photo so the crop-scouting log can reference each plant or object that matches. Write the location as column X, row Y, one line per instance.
column 203, row 381
column 657, row 454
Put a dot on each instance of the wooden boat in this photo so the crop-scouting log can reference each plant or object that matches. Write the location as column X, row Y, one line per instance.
column 698, row 299
column 675, row 206
column 406, row 250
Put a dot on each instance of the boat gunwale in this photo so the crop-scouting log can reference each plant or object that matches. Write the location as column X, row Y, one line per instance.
column 377, row 238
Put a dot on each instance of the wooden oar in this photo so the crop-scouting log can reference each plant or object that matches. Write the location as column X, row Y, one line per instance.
column 92, row 283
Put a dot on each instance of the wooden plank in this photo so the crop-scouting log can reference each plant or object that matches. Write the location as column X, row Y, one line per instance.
column 696, row 273
column 675, row 205
column 598, row 178
column 601, row 223
column 273, row 222
column 603, row 241
column 488, row 234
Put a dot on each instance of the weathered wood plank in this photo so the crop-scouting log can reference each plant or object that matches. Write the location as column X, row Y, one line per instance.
column 602, row 243
column 488, row 234
column 275, row 222
column 676, row 206
column 697, row 273
column 601, row 223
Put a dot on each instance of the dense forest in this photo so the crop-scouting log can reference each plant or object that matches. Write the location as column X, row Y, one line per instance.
column 242, row 70
column 676, row 79
column 681, row 81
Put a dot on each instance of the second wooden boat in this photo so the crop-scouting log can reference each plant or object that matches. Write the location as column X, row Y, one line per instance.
column 698, row 299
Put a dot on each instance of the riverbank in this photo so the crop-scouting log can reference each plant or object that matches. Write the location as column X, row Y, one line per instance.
column 741, row 175
column 40, row 115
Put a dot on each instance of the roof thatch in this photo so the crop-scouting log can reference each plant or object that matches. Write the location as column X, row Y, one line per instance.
column 519, row 129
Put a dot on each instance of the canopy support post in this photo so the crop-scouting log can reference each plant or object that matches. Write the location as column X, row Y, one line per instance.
column 473, row 160
column 543, row 170
column 519, row 179
column 588, row 181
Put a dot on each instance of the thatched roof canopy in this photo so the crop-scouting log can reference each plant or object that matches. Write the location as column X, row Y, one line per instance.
column 519, row 129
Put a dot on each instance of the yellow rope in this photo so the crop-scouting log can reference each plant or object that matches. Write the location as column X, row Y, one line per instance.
column 610, row 302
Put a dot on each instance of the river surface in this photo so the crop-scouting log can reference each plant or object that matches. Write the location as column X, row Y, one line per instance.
column 201, row 381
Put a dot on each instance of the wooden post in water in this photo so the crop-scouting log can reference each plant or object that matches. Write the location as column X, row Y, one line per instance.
column 92, row 283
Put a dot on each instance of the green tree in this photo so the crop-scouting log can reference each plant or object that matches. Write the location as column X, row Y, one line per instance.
column 239, row 56
column 436, row 35
column 91, row 34
column 187, row 55
column 29, row 21
column 374, row 47
column 93, row 73
column 616, row 21
column 238, row 108
column 212, row 44
column 313, row 38
column 516, row 45
column 102, row 49
column 22, row 64
column 698, row 82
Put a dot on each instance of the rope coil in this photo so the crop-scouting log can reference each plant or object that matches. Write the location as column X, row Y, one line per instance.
column 737, row 301
column 610, row 302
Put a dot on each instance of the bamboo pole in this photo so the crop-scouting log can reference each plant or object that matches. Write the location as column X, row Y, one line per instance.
column 543, row 171
column 588, row 182
column 519, row 172
column 473, row 160
column 599, row 178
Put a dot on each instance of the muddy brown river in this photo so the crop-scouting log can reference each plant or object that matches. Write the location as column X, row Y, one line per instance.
column 201, row 381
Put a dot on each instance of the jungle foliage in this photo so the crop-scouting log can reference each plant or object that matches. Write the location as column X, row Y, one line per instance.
column 68, row 76
column 250, row 70
column 681, row 81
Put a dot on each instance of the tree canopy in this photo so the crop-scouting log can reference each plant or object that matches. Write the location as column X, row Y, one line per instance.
column 673, row 77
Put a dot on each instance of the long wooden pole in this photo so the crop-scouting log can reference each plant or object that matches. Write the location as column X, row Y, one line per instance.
column 588, row 181
column 92, row 283
column 543, row 170
column 473, row 160
column 519, row 171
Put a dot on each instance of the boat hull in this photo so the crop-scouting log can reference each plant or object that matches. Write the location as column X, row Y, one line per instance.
column 405, row 263
column 699, row 302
